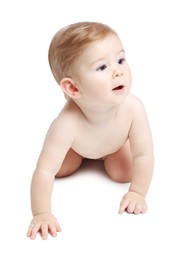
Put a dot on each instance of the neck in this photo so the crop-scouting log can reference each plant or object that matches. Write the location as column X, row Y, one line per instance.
column 99, row 115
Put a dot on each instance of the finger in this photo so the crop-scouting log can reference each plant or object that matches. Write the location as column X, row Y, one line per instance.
column 123, row 206
column 58, row 228
column 34, row 231
column 29, row 230
column 44, row 230
column 130, row 208
column 144, row 208
column 52, row 230
column 138, row 209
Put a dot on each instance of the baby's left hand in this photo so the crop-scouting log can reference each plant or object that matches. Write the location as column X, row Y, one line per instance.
column 133, row 202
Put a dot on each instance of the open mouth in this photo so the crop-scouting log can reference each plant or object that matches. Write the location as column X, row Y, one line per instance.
column 121, row 87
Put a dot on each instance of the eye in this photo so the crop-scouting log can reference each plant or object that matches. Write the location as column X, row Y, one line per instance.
column 103, row 67
column 121, row 61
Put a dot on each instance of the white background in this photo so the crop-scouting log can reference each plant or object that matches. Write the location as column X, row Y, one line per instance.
column 156, row 37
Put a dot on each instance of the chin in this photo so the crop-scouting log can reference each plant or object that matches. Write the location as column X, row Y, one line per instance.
column 119, row 101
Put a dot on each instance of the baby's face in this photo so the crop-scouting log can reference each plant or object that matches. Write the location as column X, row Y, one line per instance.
column 102, row 73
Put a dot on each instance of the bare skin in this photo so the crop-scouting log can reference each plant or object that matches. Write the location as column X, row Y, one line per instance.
column 100, row 120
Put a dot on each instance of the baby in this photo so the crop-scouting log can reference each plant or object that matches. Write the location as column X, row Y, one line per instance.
column 100, row 120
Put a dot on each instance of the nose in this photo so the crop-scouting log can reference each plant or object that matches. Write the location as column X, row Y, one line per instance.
column 117, row 73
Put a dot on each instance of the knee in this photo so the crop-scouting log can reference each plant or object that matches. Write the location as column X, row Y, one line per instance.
column 119, row 175
column 70, row 164
column 124, row 178
column 63, row 173
column 68, row 169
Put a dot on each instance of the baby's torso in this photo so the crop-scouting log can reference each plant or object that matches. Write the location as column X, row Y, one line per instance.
column 96, row 141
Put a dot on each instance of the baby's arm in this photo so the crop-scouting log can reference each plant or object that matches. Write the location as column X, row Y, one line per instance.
column 56, row 145
column 142, row 151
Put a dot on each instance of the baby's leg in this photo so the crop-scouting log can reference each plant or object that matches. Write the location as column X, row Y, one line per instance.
column 70, row 164
column 119, row 164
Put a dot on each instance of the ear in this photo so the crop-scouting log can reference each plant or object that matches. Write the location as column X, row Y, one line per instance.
column 69, row 88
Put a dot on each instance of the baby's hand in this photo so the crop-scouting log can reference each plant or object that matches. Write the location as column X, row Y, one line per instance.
column 43, row 223
column 133, row 202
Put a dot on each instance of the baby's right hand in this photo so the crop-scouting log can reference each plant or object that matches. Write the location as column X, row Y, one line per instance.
column 43, row 223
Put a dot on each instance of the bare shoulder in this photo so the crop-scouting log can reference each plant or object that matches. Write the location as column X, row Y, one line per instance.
column 140, row 133
column 134, row 101
column 135, row 105
column 139, row 117
column 70, row 113
column 66, row 122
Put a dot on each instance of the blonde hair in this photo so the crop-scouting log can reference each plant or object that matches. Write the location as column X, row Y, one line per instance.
column 69, row 42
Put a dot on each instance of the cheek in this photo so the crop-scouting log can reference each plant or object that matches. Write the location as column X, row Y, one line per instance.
column 94, row 82
column 101, row 82
column 129, row 78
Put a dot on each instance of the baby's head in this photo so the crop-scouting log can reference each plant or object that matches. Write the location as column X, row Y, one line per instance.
column 69, row 42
